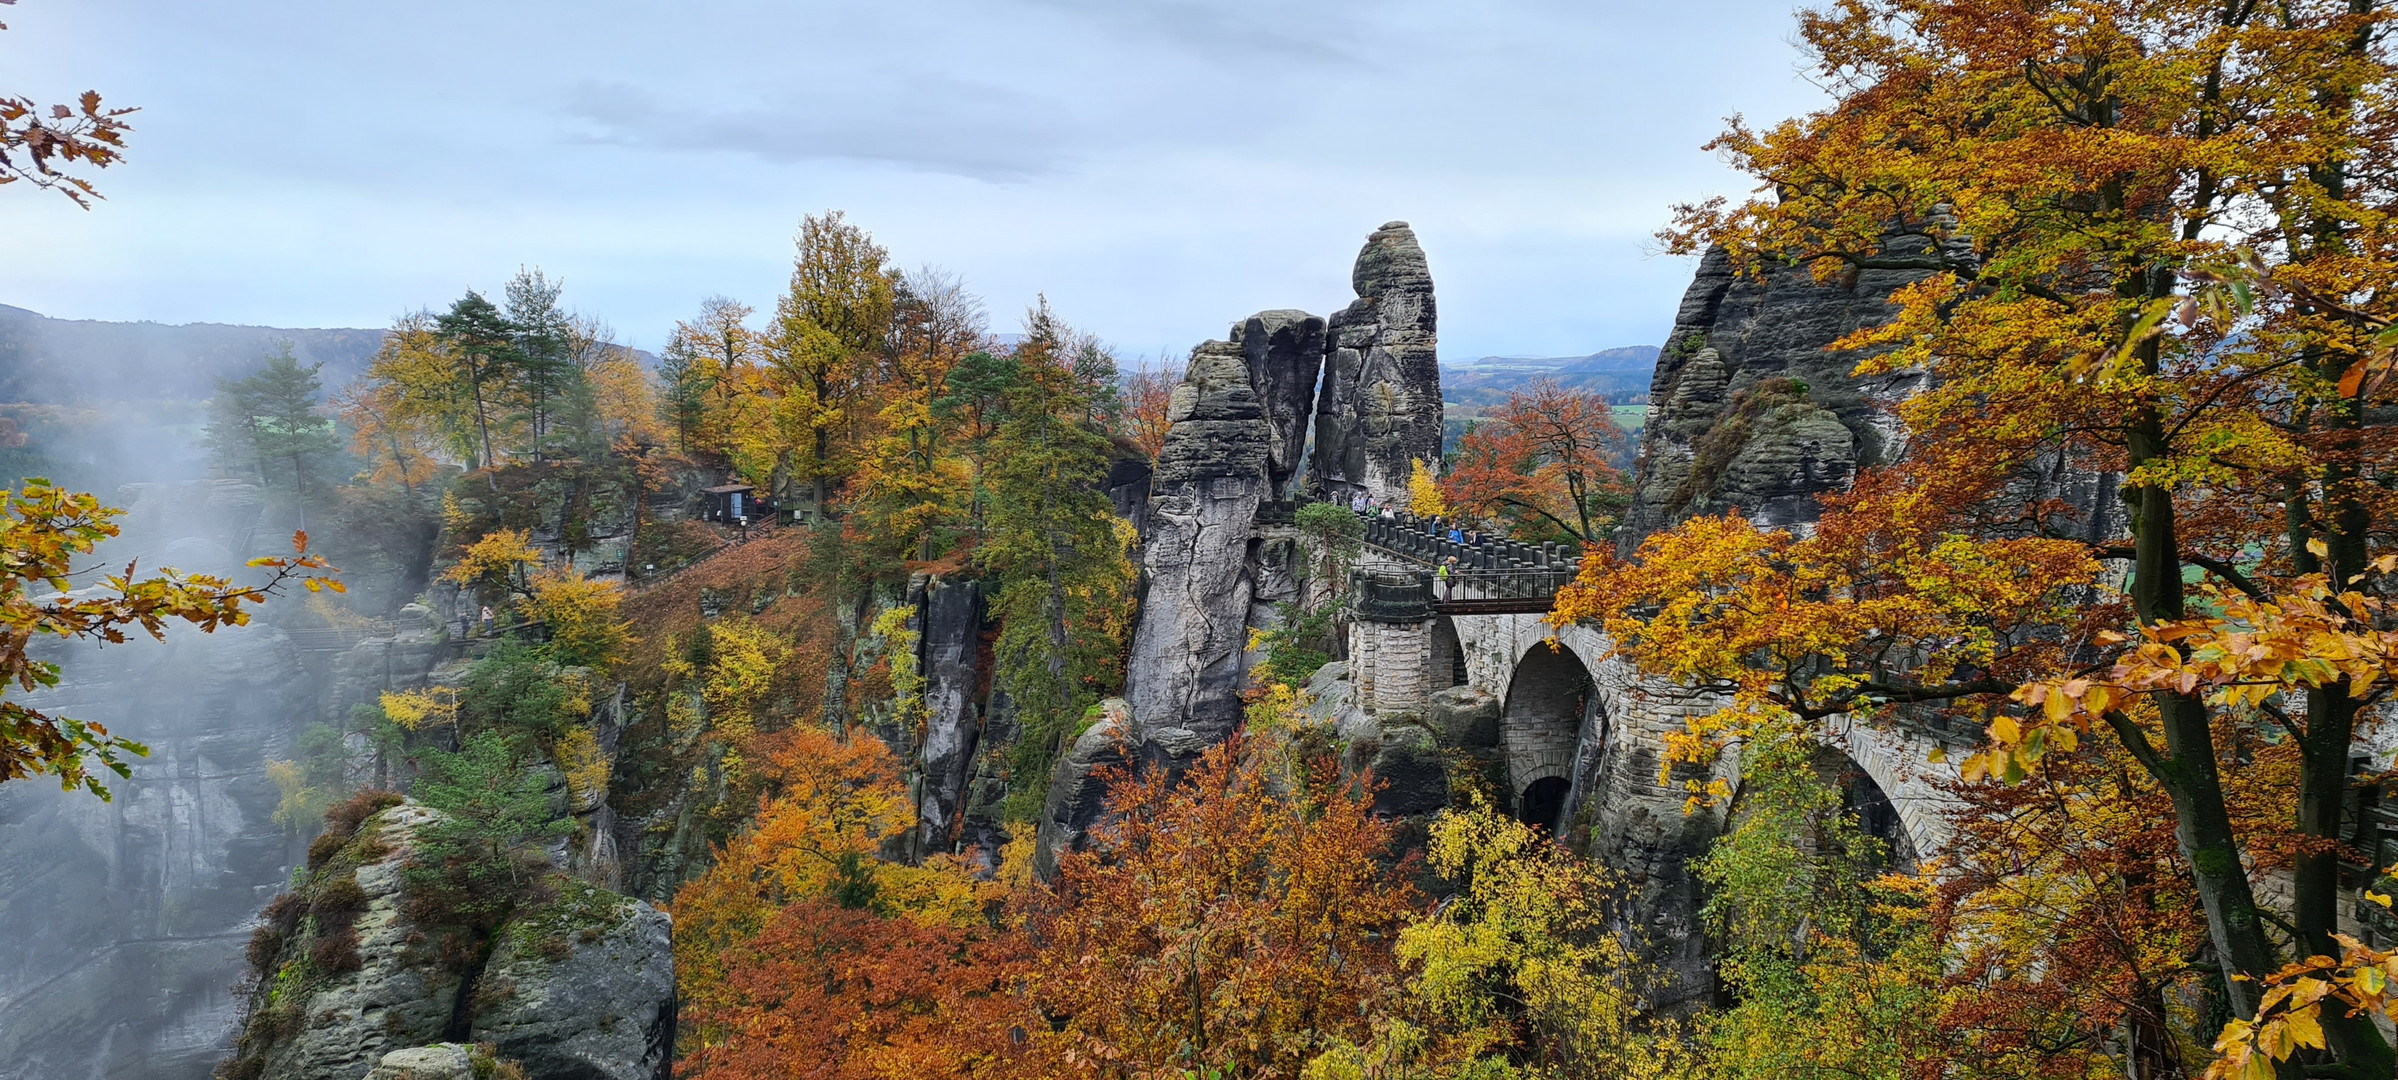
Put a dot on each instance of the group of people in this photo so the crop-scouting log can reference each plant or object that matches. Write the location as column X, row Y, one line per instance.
column 1365, row 505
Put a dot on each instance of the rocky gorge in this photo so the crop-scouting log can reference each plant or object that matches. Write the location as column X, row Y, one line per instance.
column 165, row 885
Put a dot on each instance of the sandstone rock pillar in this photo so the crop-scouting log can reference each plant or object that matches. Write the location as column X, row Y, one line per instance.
column 1380, row 410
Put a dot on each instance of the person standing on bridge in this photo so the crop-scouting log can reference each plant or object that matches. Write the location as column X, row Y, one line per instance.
column 1448, row 582
column 1359, row 503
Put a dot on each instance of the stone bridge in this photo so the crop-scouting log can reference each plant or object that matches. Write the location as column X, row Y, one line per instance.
column 1582, row 735
column 1580, row 741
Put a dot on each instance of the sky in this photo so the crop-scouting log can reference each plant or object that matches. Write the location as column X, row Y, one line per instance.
column 1156, row 168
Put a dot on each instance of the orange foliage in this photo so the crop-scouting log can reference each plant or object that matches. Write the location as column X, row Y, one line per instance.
column 829, row 993
column 1146, row 395
column 1221, row 922
column 1540, row 464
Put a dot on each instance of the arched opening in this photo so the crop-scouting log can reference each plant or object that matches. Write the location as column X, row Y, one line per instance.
column 1448, row 655
column 1542, row 804
column 1863, row 798
column 1540, row 728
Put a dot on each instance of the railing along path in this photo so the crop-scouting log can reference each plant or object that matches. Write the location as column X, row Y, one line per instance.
column 1491, row 576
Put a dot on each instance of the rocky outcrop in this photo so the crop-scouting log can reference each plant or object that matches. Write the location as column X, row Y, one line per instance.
column 1379, row 410
column 1750, row 412
column 581, row 988
column 576, row 986
column 440, row 1061
column 1076, row 791
column 949, row 624
column 1285, row 351
column 1187, row 664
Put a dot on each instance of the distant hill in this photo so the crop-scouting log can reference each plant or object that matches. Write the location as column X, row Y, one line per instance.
column 1620, row 375
column 83, row 362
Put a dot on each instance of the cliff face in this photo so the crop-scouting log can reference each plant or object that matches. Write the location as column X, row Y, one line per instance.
column 576, row 986
column 127, row 917
column 949, row 622
column 1186, row 667
column 1219, row 551
column 1748, row 411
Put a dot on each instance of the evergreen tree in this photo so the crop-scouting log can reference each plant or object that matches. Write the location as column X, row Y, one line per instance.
column 1054, row 545
column 478, row 860
column 266, row 423
column 481, row 345
column 543, row 374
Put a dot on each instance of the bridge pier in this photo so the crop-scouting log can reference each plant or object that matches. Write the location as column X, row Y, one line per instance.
column 1391, row 642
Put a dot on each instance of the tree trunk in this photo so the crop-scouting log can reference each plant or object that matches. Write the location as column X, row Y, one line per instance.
column 2188, row 771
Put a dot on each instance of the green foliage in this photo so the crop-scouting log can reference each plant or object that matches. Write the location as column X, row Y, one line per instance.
column 521, row 693
column 1833, row 967
column 481, row 859
column 1053, row 546
column 1295, row 646
column 1338, row 533
column 266, row 425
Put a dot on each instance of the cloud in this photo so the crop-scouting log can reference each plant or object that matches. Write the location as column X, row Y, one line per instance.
column 929, row 124
column 1225, row 33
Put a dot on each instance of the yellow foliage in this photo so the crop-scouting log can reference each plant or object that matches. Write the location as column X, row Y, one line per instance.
column 302, row 803
column 1527, row 936
column 418, row 709
column 581, row 615
column 586, row 768
column 743, row 659
column 907, row 682
column 498, row 555
column 1423, row 493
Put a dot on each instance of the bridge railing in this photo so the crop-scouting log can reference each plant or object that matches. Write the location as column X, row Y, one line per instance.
column 1489, row 566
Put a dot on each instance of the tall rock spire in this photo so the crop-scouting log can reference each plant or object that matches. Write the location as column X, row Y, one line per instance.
column 1380, row 409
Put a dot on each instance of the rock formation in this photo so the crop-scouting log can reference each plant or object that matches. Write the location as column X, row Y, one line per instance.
column 1284, row 349
column 1219, row 550
column 1748, row 411
column 579, row 986
column 949, row 624
column 1187, row 663
column 1380, row 410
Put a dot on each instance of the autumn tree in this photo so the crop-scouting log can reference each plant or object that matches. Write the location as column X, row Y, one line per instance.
column 1542, row 463
column 830, row 805
column 46, row 147
column 715, row 386
column 1521, row 966
column 43, row 531
column 832, row 331
column 2154, row 241
column 1227, row 924
column 1147, row 392
column 846, row 994
column 913, row 480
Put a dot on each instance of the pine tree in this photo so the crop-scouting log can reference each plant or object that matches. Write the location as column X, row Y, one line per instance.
column 1054, row 544
column 481, row 344
column 267, row 424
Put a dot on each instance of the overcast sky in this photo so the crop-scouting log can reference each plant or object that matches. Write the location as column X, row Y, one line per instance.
column 1157, row 167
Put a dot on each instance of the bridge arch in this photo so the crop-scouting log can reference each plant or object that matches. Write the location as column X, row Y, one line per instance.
column 1540, row 726
column 1862, row 797
column 1448, row 655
